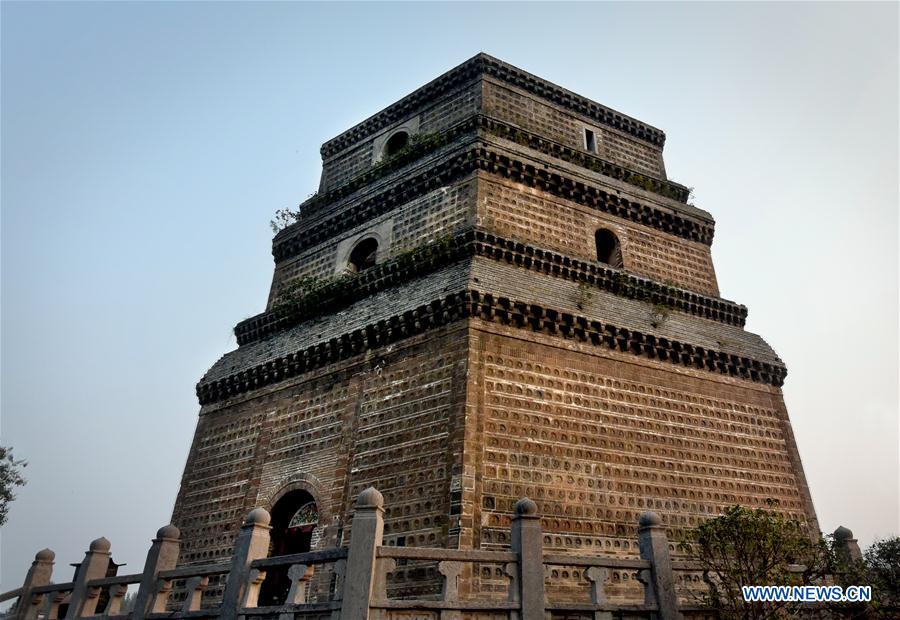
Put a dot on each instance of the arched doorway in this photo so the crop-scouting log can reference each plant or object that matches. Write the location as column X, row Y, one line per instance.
column 295, row 521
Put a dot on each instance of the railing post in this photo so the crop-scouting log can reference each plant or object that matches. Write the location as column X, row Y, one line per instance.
column 654, row 546
column 252, row 544
column 162, row 555
column 528, row 544
column 94, row 566
column 846, row 546
column 365, row 537
column 38, row 575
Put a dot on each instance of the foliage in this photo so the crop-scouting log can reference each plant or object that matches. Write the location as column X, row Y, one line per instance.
column 307, row 297
column 762, row 547
column 10, row 478
column 744, row 547
column 659, row 313
column 879, row 568
column 583, row 294
column 882, row 561
column 283, row 218
column 417, row 146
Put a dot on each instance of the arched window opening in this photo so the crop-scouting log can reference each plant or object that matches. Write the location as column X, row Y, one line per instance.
column 396, row 143
column 363, row 255
column 608, row 250
column 295, row 518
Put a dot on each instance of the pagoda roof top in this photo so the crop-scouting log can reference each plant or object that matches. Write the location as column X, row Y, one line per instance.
column 479, row 66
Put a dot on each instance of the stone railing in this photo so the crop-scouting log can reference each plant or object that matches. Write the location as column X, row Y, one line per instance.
column 353, row 582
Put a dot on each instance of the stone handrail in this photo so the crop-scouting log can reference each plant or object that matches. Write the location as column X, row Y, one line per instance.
column 8, row 596
column 53, row 587
column 118, row 580
column 458, row 555
column 355, row 585
column 560, row 559
column 195, row 571
column 313, row 557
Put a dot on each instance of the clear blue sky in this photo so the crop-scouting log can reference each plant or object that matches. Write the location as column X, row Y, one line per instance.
column 146, row 146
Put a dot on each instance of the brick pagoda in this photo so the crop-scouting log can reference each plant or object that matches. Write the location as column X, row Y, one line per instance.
column 495, row 293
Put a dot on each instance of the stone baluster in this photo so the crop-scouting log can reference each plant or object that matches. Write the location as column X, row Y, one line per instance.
column 511, row 569
column 654, row 547
column 58, row 599
column 194, row 588
column 91, row 600
column 365, row 537
column 252, row 544
column 161, row 597
column 255, row 581
column 339, row 570
column 300, row 575
column 528, row 543
column 117, row 594
column 94, row 566
column 153, row 593
column 38, row 575
column 598, row 576
column 450, row 571
column 383, row 567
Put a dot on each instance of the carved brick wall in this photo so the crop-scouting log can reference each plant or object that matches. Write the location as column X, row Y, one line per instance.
column 515, row 211
column 534, row 114
column 597, row 438
column 438, row 213
column 433, row 116
column 391, row 420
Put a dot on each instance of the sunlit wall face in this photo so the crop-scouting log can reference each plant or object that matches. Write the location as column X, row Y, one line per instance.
column 145, row 148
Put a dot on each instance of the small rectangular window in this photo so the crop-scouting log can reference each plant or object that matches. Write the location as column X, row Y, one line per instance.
column 590, row 141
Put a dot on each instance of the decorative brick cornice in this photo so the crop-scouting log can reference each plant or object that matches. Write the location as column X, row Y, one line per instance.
column 502, row 129
column 473, row 303
column 406, row 189
column 615, row 281
column 554, row 322
column 428, row 316
column 333, row 296
column 482, row 156
column 339, row 293
column 378, row 171
column 665, row 188
column 483, row 64
column 593, row 197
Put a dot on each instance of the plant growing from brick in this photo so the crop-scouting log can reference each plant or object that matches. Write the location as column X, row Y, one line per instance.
column 755, row 546
column 10, row 478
